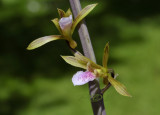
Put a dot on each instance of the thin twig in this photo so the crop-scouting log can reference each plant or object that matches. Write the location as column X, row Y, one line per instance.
column 94, row 89
column 105, row 88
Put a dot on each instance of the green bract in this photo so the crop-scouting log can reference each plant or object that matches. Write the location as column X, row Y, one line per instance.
column 66, row 26
column 78, row 60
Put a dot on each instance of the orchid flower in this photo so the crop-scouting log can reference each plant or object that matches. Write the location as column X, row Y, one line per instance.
column 94, row 71
column 66, row 26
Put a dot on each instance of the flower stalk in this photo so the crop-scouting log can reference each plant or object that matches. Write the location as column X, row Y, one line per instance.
column 94, row 88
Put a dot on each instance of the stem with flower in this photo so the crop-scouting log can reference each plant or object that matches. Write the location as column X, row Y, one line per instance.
column 66, row 26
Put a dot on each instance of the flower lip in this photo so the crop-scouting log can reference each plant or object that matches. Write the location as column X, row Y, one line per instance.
column 65, row 22
column 81, row 78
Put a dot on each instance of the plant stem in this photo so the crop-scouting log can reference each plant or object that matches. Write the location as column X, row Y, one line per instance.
column 94, row 88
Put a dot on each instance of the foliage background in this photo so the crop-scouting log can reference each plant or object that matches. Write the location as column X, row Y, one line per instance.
column 38, row 82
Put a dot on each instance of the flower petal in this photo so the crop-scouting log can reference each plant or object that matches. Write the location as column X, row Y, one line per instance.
column 55, row 21
column 120, row 88
column 83, row 13
column 65, row 22
column 61, row 13
column 43, row 40
column 73, row 61
column 68, row 13
column 81, row 78
column 105, row 55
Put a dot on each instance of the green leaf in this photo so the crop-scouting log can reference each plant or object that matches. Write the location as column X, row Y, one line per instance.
column 43, row 40
column 61, row 13
column 56, row 23
column 105, row 55
column 120, row 88
column 83, row 13
column 73, row 61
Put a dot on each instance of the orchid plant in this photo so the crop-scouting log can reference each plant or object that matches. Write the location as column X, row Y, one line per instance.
column 94, row 71
column 65, row 25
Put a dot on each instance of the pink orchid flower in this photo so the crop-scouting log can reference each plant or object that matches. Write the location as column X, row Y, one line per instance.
column 94, row 71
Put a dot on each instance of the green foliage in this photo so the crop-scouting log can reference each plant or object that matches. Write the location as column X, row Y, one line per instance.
column 39, row 82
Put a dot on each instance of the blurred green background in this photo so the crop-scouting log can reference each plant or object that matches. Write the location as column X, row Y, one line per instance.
column 38, row 82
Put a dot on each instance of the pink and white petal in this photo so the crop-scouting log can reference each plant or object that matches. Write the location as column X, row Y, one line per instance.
column 81, row 78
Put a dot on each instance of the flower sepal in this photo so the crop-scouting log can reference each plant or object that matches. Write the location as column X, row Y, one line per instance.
column 78, row 60
column 120, row 88
column 43, row 40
